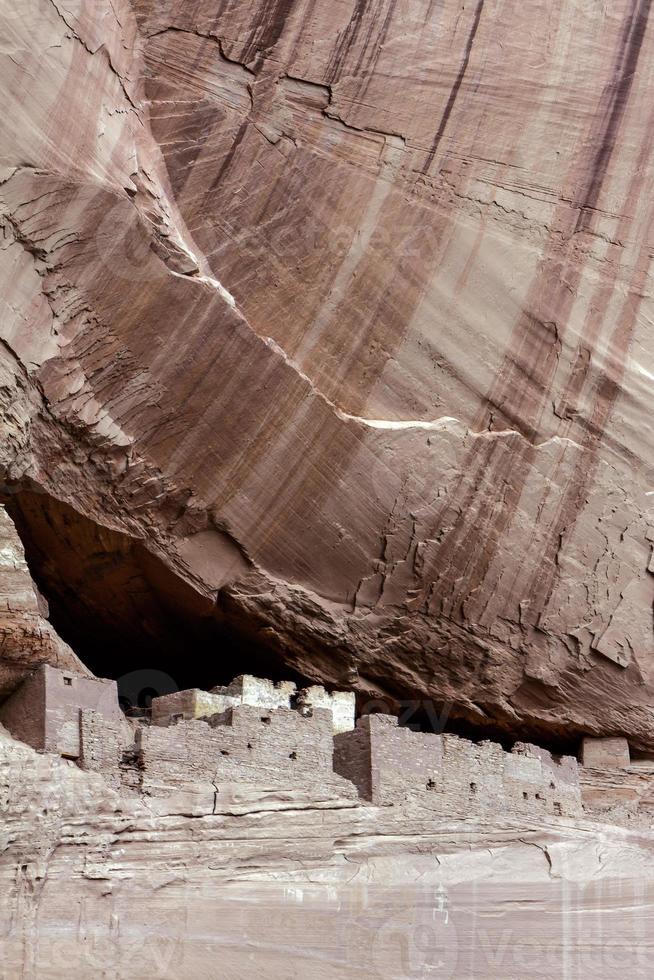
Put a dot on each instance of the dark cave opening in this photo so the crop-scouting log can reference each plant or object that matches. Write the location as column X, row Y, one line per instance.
column 447, row 718
column 127, row 616
column 131, row 618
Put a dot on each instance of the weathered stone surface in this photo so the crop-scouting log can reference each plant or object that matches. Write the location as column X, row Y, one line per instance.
column 339, row 314
column 326, row 327
column 246, row 689
column 605, row 753
column 26, row 638
column 279, row 748
column 624, row 797
column 45, row 710
column 453, row 776
column 279, row 886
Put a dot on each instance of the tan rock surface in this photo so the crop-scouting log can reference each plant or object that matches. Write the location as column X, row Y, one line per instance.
column 249, row 882
column 26, row 638
column 252, row 881
column 326, row 338
column 330, row 322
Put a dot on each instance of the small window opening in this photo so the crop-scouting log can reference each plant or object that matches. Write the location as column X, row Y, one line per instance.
column 431, row 784
column 473, row 787
column 293, row 755
column 525, row 796
column 224, row 752
column 68, row 681
column 265, row 719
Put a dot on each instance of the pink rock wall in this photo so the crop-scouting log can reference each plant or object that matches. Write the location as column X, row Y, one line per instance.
column 341, row 313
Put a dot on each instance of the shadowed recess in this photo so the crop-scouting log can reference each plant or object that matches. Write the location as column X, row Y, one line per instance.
column 124, row 611
column 130, row 617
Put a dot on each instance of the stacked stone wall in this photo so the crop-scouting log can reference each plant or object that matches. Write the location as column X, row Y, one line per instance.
column 246, row 744
column 280, row 747
column 45, row 710
column 451, row 775
column 352, row 760
column 187, row 705
column 102, row 744
column 342, row 705
column 258, row 692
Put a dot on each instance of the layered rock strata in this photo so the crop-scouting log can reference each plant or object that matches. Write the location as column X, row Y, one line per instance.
column 327, row 325
column 248, row 880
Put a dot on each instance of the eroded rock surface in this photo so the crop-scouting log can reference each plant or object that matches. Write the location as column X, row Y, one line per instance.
column 243, row 881
column 26, row 637
column 331, row 323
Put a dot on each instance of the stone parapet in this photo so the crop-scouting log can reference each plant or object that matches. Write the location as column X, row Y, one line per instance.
column 246, row 743
column 389, row 764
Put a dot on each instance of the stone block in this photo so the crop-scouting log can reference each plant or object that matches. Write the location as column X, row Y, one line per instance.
column 342, row 705
column 453, row 776
column 259, row 691
column 605, row 753
column 400, row 761
column 102, row 741
column 45, row 711
column 246, row 744
column 187, row 705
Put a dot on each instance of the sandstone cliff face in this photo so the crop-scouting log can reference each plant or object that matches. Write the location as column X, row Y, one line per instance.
column 327, row 324
column 26, row 637
column 243, row 881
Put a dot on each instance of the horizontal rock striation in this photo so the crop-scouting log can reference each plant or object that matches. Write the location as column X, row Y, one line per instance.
column 281, row 883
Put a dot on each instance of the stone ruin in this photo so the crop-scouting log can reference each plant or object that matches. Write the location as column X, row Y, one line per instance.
column 389, row 764
column 254, row 731
column 263, row 693
column 45, row 710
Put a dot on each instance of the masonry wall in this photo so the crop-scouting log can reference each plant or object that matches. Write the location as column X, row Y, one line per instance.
column 342, row 705
column 65, row 695
column 387, row 762
column 246, row 689
column 247, row 744
column 102, row 743
column 258, row 691
column 79, row 717
column 481, row 777
column 45, row 711
column 352, row 759
column 453, row 776
column 23, row 713
column 190, row 704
